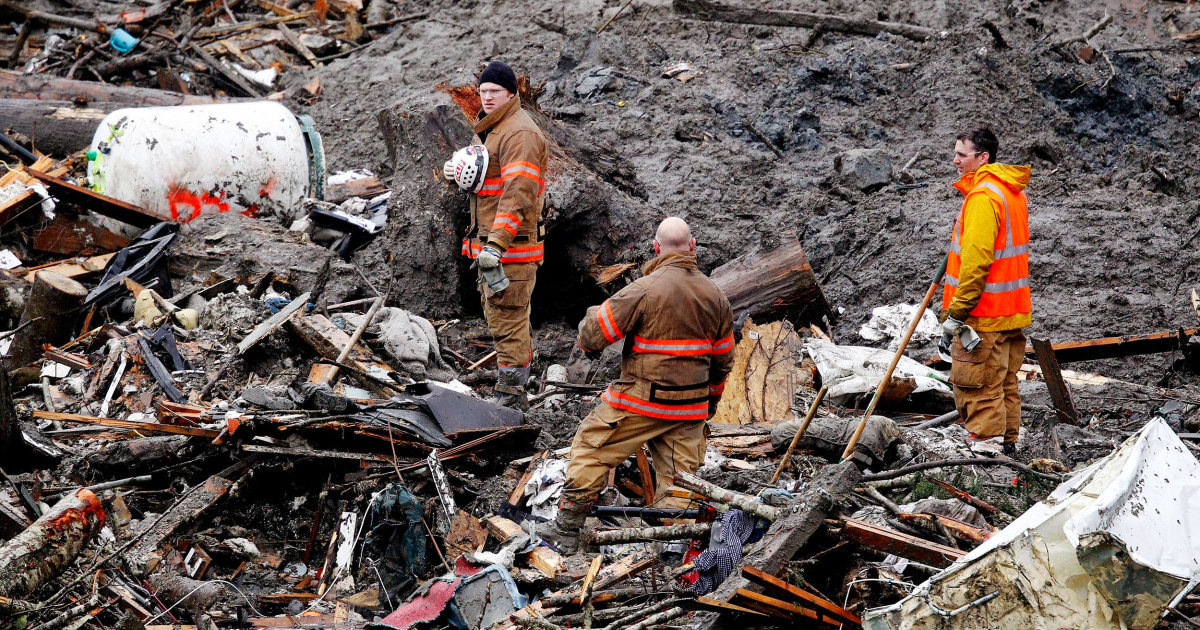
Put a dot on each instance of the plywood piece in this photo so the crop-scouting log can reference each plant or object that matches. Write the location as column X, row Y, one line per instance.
column 767, row 371
column 467, row 534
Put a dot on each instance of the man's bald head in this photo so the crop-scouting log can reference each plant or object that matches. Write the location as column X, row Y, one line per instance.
column 673, row 235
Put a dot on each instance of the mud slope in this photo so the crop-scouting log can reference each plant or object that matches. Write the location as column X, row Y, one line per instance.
column 1113, row 215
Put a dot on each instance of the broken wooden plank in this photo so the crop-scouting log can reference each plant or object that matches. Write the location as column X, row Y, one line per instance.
column 665, row 532
column 820, row 603
column 319, row 454
column 275, row 321
column 330, row 342
column 621, row 569
column 67, row 237
column 150, row 427
column 143, row 555
column 70, row 359
column 719, row 606
column 297, row 45
column 799, row 521
column 365, row 187
column 50, row 544
column 543, row 558
column 900, row 544
column 643, row 464
column 1114, row 347
column 769, row 604
column 1060, row 394
column 964, row 496
column 937, row 523
column 467, row 534
column 73, row 268
column 99, row 204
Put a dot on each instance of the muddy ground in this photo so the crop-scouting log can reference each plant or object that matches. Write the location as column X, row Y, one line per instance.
column 1113, row 215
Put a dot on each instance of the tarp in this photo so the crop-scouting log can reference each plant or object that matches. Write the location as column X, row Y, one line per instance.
column 1110, row 548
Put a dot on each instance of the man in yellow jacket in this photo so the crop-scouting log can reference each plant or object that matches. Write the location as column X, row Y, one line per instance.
column 986, row 289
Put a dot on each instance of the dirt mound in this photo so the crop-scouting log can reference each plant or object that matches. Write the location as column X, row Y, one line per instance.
column 1111, row 194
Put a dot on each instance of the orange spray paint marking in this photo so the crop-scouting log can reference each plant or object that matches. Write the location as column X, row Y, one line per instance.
column 193, row 205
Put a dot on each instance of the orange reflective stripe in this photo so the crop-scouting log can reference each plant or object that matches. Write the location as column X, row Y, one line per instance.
column 716, row 390
column 674, row 347
column 508, row 222
column 608, row 323
column 690, row 411
column 521, row 169
column 1006, row 288
column 532, row 253
column 721, row 346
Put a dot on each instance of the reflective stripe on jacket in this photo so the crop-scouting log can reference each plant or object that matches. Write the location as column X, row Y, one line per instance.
column 678, row 332
column 987, row 270
column 507, row 211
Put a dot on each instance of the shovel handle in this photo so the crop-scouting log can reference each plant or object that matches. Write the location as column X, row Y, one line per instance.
column 812, row 411
column 887, row 376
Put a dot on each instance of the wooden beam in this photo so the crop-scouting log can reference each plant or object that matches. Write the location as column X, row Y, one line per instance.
column 774, row 282
column 782, row 608
column 149, row 427
column 643, row 464
column 817, row 602
column 903, row 545
column 1060, row 395
column 100, row 204
column 542, row 558
column 1114, row 347
column 309, row 452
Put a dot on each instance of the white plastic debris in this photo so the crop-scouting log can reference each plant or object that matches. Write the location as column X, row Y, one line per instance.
column 850, row 370
column 265, row 78
column 545, row 486
column 1109, row 549
column 54, row 369
column 9, row 260
column 891, row 322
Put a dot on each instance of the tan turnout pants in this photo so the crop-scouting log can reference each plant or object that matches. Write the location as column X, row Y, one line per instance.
column 507, row 315
column 608, row 436
column 985, row 384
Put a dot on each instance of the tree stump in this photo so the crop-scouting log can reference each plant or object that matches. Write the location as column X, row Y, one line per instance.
column 770, row 284
column 56, row 299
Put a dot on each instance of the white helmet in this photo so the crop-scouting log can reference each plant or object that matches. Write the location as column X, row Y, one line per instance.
column 470, row 167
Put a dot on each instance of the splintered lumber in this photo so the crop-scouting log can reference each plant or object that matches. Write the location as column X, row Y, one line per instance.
column 67, row 237
column 12, row 442
column 100, row 204
column 142, row 556
column 1114, row 347
column 1060, row 395
column 773, row 283
column 52, row 305
column 148, row 427
column 542, row 558
column 666, row 532
column 50, row 544
column 72, row 268
column 331, row 343
column 309, row 452
column 714, row 12
column 743, row 502
column 806, row 514
column 271, row 323
column 775, row 606
column 621, row 569
column 900, row 544
column 715, row 605
column 820, row 604
column 364, row 187
column 936, row 522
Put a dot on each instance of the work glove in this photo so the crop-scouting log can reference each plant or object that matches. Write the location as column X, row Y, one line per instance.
column 949, row 330
column 448, row 170
column 489, row 258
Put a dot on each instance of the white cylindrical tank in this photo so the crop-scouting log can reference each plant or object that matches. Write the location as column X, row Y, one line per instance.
column 187, row 161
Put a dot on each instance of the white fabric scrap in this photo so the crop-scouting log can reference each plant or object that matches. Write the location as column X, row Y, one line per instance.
column 850, row 370
column 545, row 486
column 9, row 260
column 892, row 321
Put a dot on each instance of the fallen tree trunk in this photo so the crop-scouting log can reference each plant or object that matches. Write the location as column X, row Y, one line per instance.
column 55, row 299
column 713, row 12
column 772, row 283
column 50, row 544
column 738, row 500
column 54, row 127
column 47, row 88
column 666, row 532
column 186, row 593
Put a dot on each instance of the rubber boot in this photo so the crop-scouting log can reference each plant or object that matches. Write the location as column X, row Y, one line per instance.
column 510, row 388
column 564, row 531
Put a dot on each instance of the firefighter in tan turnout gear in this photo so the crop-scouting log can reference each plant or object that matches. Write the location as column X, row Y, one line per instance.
column 507, row 182
column 677, row 328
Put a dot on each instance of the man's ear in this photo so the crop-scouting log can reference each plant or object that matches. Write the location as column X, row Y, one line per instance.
column 692, row 246
column 657, row 247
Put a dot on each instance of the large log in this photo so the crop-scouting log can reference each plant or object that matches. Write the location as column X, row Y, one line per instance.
column 772, row 283
column 50, row 544
column 54, row 127
column 54, row 301
column 714, row 12
column 42, row 87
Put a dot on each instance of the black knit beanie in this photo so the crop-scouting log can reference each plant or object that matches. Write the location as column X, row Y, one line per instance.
column 499, row 73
